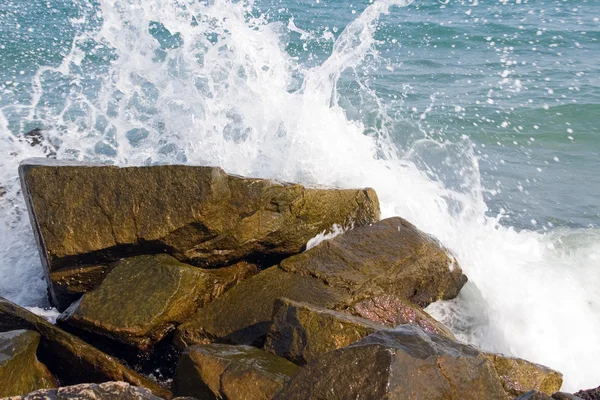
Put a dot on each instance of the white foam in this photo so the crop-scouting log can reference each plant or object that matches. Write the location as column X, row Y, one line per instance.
column 229, row 95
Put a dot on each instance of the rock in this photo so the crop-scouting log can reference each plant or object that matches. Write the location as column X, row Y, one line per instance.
column 406, row 363
column 518, row 375
column 534, row 395
column 20, row 370
column 243, row 314
column 75, row 281
column 590, row 394
column 218, row 371
column 392, row 311
column 565, row 396
column 300, row 332
column 143, row 298
column 390, row 257
column 92, row 391
column 84, row 214
column 70, row 359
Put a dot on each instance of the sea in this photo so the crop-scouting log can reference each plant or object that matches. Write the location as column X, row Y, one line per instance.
column 476, row 120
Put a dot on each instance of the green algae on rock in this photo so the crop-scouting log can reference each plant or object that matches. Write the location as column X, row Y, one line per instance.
column 219, row 371
column 145, row 297
column 86, row 214
column 69, row 358
column 20, row 370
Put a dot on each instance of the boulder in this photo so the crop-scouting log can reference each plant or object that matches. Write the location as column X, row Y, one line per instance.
column 590, row 394
column 69, row 358
column 20, row 370
column 406, row 363
column 300, row 331
column 391, row 311
column 92, row 391
column 243, row 314
column 218, row 371
column 566, row 396
column 389, row 257
column 534, row 395
column 143, row 298
column 84, row 214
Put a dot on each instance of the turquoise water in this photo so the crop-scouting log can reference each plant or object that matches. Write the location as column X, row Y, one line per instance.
column 477, row 120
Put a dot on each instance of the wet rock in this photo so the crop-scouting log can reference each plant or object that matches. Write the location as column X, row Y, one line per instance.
column 406, row 363
column 518, row 375
column 390, row 257
column 84, row 214
column 392, row 311
column 219, row 371
column 78, row 280
column 300, row 332
column 243, row 314
column 565, row 396
column 143, row 298
column 20, row 370
column 90, row 391
column 590, row 394
column 534, row 395
column 70, row 359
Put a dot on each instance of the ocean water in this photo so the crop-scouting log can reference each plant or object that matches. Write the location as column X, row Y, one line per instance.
column 477, row 120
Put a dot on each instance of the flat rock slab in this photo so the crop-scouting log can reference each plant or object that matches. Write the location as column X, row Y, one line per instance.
column 91, row 391
column 218, row 371
column 20, row 370
column 143, row 298
column 389, row 257
column 69, row 358
column 83, row 214
column 407, row 364
column 300, row 331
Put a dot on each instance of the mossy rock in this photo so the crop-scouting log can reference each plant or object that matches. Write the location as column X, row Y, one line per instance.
column 20, row 370
column 94, row 214
column 143, row 298
column 69, row 358
column 219, row 371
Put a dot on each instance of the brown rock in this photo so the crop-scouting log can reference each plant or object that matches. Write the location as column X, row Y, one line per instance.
column 85, row 214
column 243, row 314
column 390, row 257
column 300, row 331
column 20, row 370
column 218, row 371
column 590, row 394
column 91, row 391
column 70, row 359
column 406, row 363
column 145, row 297
column 392, row 311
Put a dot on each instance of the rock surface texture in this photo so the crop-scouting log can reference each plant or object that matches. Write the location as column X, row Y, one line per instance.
column 20, row 370
column 69, row 358
column 406, row 364
column 145, row 297
column 84, row 214
column 218, row 371
column 390, row 257
column 90, row 391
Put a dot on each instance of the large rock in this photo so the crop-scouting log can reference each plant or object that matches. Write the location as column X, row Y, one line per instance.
column 218, row 371
column 391, row 311
column 389, row 257
column 590, row 394
column 20, row 370
column 143, row 298
column 300, row 331
column 91, row 391
column 406, row 364
column 69, row 358
column 243, row 314
column 84, row 214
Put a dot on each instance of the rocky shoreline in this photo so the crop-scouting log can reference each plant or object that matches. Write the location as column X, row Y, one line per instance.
column 183, row 281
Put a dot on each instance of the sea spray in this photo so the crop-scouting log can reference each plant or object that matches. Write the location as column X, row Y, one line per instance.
column 163, row 81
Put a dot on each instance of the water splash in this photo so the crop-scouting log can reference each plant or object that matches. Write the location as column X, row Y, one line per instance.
column 166, row 81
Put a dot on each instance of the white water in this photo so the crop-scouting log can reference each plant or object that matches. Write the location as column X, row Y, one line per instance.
column 229, row 95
